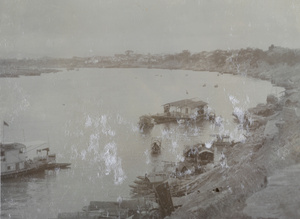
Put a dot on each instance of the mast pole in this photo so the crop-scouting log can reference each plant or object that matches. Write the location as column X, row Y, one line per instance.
column 2, row 132
column 3, row 124
column 23, row 135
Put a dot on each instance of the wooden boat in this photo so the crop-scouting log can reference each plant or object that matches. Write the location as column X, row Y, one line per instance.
column 156, row 146
column 14, row 162
column 146, row 123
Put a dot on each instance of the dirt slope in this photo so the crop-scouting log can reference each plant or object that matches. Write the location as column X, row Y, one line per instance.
column 261, row 176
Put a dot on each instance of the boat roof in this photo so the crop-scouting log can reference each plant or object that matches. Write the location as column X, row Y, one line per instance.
column 11, row 146
column 206, row 151
column 17, row 145
column 187, row 102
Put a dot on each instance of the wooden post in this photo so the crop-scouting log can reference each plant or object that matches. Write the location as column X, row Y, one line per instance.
column 162, row 192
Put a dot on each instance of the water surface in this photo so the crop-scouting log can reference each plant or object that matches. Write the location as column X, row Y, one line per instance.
column 89, row 118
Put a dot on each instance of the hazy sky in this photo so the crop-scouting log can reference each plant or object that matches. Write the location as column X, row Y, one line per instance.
column 66, row 28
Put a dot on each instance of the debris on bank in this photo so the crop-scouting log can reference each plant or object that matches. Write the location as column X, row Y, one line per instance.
column 198, row 159
column 122, row 209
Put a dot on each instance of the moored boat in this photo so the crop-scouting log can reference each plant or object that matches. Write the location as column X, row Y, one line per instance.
column 182, row 111
column 156, row 146
column 145, row 123
column 14, row 162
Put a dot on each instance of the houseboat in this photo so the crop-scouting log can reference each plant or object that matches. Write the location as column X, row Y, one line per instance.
column 14, row 162
column 182, row 111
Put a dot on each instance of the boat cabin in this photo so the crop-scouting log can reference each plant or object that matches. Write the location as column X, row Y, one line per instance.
column 185, row 108
column 182, row 111
column 13, row 157
column 199, row 154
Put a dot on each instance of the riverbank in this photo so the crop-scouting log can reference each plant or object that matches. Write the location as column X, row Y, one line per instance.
column 254, row 168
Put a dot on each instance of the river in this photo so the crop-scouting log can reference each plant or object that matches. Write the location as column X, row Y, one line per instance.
column 88, row 117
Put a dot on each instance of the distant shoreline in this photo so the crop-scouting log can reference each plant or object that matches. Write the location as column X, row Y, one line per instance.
column 251, row 62
column 15, row 73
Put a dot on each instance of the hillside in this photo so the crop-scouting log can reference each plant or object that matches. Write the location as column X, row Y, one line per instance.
column 261, row 175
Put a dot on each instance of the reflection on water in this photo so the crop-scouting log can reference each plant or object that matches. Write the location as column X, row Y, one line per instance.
column 19, row 194
column 89, row 118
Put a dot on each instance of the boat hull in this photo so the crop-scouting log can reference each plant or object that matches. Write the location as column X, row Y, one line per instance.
column 23, row 172
column 33, row 170
column 160, row 119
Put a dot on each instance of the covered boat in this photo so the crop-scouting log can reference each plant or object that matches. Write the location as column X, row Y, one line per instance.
column 199, row 154
column 156, row 146
column 145, row 123
column 182, row 111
